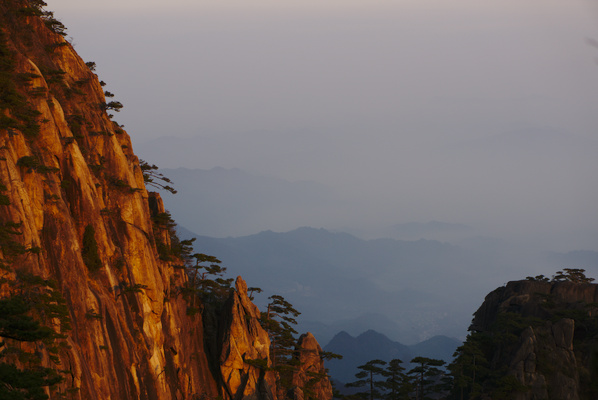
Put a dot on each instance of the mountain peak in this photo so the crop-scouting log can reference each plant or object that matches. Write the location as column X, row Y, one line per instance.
column 371, row 334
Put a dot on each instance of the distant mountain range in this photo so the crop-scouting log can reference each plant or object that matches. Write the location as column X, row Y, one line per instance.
column 433, row 230
column 411, row 290
column 217, row 201
column 418, row 230
column 411, row 280
column 372, row 345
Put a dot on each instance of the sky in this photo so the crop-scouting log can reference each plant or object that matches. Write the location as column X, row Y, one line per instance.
column 475, row 112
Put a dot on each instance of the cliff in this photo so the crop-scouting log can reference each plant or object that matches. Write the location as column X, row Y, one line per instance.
column 91, row 283
column 307, row 380
column 243, row 339
column 532, row 340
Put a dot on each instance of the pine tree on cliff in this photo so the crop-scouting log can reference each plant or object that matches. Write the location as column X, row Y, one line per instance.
column 206, row 275
column 206, row 281
column 155, row 179
column 469, row 368
column 575, row 275
column 28, row 316
column 278, row 321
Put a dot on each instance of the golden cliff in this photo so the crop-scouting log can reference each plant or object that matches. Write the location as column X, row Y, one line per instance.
column 76, row 230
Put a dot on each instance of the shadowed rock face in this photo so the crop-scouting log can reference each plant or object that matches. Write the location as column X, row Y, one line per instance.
column 553, row 355
column 67, row 169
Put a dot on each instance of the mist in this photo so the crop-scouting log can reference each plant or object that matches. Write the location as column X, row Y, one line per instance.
column 409, row 111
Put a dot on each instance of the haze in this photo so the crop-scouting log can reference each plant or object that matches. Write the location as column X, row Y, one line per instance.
column 478, row 113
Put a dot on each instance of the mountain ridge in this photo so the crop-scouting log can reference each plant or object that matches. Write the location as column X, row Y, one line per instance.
column 370, row 345
column 370, row 274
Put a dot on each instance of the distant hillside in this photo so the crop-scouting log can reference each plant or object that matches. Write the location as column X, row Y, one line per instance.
column 430, row 230
column 218, row 201
column 335, row 276
column 373, row 345
column 339, row 281
column 353, row 326
column 94, row 303
column 581, row 258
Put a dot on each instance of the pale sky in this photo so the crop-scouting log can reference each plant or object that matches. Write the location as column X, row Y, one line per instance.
column 476, row 112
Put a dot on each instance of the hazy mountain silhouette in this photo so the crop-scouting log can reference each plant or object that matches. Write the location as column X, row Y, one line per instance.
column 435, row 230
column 582, row 258
column 418, row 289
column 371, row 345
column 218, row 201
column 353, row 326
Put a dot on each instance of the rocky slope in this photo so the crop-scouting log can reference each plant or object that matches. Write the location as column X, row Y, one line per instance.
column 307, row 382
column 532, row 339
column 81, row 244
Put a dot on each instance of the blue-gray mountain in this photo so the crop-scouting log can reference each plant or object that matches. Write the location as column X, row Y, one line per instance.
column 372, row 345
column 219, row 201
column 418, row 289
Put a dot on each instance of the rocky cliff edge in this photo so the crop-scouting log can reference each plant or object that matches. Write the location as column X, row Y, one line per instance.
column 83, row 253
column 542, row 334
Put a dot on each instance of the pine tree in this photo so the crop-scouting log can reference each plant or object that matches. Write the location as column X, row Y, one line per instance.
column 35, row 313
column 427, row 375
column 469, row 368
column 575, row 275
column 278, row 321
column 153, row 178
column 366, row 377
column 398, row 383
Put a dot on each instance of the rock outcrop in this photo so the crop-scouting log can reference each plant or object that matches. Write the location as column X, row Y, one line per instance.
column 310, row 381
column 77, row 230
column 536, row 340
column 245, row 355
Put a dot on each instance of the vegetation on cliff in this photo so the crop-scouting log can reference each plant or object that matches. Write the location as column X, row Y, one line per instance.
column 98, row 296
column 292, row 358
column 33, row 318
column 531, row 339
column 536, row 338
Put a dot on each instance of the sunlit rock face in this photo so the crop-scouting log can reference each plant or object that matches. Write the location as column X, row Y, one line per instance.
column 76, row 173
column 311, row 370
column 75, row 210
column 243, row 342
column 545, row 335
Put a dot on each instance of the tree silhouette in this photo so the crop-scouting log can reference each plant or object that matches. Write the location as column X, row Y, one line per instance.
column 366, row 377
column 469, row 368
column 28, row 316
column 206, row 275
column 155, row 179
column 426, row 375
column 278, row 321
column 575, row 275
column 397, row 382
